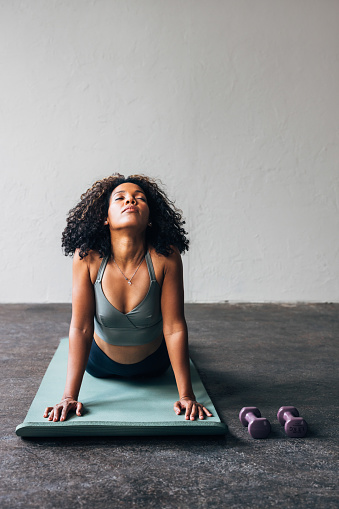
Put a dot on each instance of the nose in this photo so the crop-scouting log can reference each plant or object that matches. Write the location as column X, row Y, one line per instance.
column 130, row 199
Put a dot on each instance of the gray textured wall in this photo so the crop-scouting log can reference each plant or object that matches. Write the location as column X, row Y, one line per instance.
column 233, row 104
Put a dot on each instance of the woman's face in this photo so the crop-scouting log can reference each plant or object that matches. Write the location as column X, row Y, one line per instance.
column 128, row 208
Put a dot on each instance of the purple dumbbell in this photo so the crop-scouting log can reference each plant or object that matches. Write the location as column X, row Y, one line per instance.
column 295, row 426
column 258, row 427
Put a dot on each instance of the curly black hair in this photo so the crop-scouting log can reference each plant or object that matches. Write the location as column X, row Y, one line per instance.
column 85, row 229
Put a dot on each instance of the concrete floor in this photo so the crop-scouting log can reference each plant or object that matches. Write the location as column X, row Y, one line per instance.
column 261, row 355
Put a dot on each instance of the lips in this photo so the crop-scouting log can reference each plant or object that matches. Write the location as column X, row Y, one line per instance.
column 130, row 209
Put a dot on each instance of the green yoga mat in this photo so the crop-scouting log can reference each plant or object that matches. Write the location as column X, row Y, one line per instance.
column 115, row 407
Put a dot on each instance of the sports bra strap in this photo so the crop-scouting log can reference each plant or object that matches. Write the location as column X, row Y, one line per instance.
column 101, row 269
column 148, row 263
column 150, row 266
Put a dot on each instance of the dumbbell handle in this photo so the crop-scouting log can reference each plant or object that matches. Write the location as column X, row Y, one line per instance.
column 288, row 416
column 250, row 417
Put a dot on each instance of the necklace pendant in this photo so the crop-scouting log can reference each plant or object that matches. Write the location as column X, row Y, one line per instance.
column 129, row 281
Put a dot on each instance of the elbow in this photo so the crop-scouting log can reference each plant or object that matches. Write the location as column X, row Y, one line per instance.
column 176, row 334
column 85, row 333
column 175, row 328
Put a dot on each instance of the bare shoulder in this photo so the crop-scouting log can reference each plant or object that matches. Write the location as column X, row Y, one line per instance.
column 166, row 264
column 89, row 263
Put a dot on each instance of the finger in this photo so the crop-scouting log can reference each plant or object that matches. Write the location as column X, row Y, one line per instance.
column 207, row 412
column 79, row 409
column 177, row 407
column 64, row 412
column 57, row 411
column 188, row 411
column 194, row 411
column 47, row 411
column 201, row 412
column 50, row 418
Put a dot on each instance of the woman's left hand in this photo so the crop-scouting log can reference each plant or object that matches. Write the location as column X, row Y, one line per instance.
column 192, row 407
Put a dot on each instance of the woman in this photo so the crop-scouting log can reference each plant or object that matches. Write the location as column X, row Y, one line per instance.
column 127, row 299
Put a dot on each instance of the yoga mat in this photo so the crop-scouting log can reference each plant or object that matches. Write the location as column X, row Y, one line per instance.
column 116, row 407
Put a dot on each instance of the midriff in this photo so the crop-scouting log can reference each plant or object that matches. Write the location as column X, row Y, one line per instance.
column 128, row 354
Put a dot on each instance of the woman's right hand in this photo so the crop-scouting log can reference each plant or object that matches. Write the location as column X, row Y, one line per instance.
column 60, row 410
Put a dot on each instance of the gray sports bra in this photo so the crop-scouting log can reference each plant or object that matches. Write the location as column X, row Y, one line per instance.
column 141, row 325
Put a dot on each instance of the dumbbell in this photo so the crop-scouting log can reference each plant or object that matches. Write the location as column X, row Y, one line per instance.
column 258, row 427
column 295, row 426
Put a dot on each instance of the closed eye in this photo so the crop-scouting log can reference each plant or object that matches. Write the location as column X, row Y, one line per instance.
column 122, row 197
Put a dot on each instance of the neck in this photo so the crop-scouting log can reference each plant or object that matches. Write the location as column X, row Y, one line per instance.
column 128, row 249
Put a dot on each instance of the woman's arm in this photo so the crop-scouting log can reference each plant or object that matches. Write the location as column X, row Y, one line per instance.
column 80, row 340
column 176, row 337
